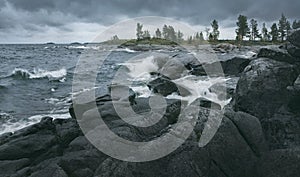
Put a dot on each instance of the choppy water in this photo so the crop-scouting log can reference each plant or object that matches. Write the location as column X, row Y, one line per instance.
column 36, row 80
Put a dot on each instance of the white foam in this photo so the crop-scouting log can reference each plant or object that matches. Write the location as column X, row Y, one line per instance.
column 40, row 73
column 12, row 126
column 125, row 50
column 141, row 68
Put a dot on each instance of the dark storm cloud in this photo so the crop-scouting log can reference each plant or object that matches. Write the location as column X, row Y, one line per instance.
column 36, row 14
column 194, row 11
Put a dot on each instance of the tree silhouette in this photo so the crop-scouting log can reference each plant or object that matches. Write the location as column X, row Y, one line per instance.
column 254, row 33
column 274, row 32
column 158, row 33
column 243, row 28
column 139, row 31
column 215, row 30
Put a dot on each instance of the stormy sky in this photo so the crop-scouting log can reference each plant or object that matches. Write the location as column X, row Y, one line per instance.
column 63, row 21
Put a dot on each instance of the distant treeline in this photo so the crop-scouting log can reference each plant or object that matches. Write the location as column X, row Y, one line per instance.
column 246, row 29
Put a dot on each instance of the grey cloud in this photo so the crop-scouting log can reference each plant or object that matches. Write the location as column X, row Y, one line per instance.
column 37, row 15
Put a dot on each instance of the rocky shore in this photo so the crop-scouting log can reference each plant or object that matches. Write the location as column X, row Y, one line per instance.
column 259, row 134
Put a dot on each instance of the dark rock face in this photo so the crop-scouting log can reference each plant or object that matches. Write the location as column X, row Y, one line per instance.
column 262, row 88
column 232, row 67
column 163, row 86
column 276, row 54
column 263, row 92
column 225, row 90
column 294, row 38
column 293, row 50
column 57, row 148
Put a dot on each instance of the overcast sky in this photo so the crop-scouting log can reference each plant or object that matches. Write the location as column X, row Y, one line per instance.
column 63, row 21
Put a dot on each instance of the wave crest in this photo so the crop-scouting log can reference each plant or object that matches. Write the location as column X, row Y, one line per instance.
column 39, row 74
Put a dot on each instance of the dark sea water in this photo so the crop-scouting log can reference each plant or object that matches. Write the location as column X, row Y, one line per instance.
column 36, row 80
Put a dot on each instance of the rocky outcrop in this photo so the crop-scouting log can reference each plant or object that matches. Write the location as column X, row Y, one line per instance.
column 294, row 38
column 232, row 67
column 58, row 148
column 276, row 54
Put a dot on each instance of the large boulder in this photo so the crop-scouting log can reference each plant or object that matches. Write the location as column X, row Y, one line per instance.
column 293, row 50
column 276, row 54
column 264, row 91
column 262, row 88
column 294, row 37
column 173, row 69
column 278, row 163
column 218, row 158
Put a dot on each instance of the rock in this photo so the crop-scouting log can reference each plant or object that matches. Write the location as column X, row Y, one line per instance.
column 278, row 163
column 81, row 108
column 223, row 151
column 9, row 167
column 219, row 157
column 293, row 50
column 173, row 69
column 66, row 130
column 250, row 129
column 205, row 103
column 121, row 93
column 163, row 86
column 262, row 88
column 263, row 91
column 276, row 54
column 294, row 38
column 224, row 47
column 232, row 67
column 224, row 91
column 79, row 161
column 50, row 171
column 19, row 148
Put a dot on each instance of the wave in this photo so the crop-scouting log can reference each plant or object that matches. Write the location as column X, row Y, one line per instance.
column 39, row 74
column 9, row 124
column 125, row 50
column 2, row 87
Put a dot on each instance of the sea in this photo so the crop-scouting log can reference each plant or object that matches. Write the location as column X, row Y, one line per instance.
column 36, row 79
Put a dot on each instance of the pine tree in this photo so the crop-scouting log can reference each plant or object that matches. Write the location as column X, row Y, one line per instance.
column 157, row 33
column 201, row 37
column 296, row 24
column 207, row 31
column 243, row 28
column 139, row 31
column 165, row 32
column 282, row 27
column 254, row 33
column 211, row 37
column 146, row 34
column 179, row 36
column 215, row 30
column 274, row 32
column 265, row 34
column 190, row 40
column 288, row 27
